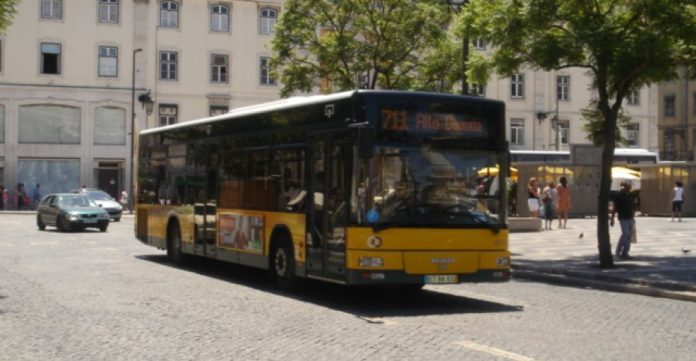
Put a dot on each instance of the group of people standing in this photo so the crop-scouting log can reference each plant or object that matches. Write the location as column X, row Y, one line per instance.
column 21, row 200
column 551, row 202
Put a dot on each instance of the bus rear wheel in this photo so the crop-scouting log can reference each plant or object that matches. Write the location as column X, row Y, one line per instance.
column 283, row 266
column 174, row 244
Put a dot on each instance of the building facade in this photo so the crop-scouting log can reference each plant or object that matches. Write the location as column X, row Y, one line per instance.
column 75, row 77
column 544, row 110
column 677, row 119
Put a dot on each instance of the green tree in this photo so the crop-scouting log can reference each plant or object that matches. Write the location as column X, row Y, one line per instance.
column 7, row 12
column 623, row 44
column 348, row 44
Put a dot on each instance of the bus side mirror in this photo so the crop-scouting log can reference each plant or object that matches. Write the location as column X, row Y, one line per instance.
column 366, row 142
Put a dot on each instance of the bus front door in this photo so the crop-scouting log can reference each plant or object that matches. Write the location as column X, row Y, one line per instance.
column 327, row 207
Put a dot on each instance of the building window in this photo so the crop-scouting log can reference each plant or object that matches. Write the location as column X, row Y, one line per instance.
column 220, row 18
column 517, row 131
column 563, row 87
column 218, row 110
column 632, row 134
column 52, row 9
column 267, row 21
column 108, row 11
column 668, row 142
column 265, row 72
column 479, row 44
column 50, row 58
column 218, row 68
column 478, row 90
column 634, row 97
column 169, row 14
column 168, row 114
column 564, row 132
column 108, row 61
column 670, row 108
column 517, row 86
column 168, row 65
column 109, row 126
column 49, row 124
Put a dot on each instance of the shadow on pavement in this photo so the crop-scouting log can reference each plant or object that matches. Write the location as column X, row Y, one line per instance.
column 668, row 272
column 363, row 302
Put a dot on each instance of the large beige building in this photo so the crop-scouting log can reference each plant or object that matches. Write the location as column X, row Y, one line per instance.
column 538, row 101
column 71, row 72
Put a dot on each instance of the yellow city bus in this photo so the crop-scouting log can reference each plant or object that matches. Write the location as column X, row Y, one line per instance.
column 359, row 187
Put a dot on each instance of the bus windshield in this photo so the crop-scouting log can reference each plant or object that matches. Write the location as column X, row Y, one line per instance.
column 426, row 186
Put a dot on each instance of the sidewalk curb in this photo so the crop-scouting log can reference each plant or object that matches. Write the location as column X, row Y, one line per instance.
column 615, row 284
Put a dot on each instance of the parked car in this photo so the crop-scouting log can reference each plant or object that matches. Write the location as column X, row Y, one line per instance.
column 70, row 211
column 103, row 200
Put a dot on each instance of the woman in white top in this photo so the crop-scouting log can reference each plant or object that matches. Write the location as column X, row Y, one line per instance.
column 677, row 200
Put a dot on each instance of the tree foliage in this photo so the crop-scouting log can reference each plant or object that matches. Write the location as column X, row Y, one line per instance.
column 624, row 44
column 348, row 44
column 7, row 12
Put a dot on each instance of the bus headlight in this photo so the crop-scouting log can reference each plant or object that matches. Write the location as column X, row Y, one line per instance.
column 370, row 261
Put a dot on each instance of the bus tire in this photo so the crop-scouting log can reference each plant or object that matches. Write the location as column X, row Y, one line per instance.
column 283, row 265
column 174, row 244
column 40, row 223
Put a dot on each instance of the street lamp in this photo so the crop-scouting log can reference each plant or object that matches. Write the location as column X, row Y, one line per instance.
column 554, row 120
column 131, row 203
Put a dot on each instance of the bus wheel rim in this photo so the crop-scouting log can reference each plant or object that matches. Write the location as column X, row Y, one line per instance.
column 281, row 262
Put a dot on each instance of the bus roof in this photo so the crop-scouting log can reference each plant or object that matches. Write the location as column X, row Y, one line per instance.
column 299, row 101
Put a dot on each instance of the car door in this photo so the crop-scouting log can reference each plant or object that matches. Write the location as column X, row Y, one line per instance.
column 52, row 210
column 43, row 209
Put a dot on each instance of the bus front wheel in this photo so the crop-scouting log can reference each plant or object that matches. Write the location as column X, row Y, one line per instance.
column 283, row 266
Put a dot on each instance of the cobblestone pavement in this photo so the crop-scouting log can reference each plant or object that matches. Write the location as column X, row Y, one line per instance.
column 664, row 256
column 105, row 296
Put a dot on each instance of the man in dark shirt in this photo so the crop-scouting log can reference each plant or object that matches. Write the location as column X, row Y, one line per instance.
column 625, row 207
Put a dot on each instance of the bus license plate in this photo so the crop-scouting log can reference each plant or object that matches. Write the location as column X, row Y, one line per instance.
column 441, row 279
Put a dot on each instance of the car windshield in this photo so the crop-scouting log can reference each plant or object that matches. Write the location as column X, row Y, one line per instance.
column 423, row 186
column 98, row 195
column 75, row 201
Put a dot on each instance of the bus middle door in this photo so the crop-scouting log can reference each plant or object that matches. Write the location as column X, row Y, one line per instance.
column 329, row 176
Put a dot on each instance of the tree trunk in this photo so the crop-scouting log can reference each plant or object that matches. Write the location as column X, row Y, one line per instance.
column 606, row 259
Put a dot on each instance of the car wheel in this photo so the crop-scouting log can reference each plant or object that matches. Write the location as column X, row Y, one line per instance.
column 40, row 223
column 283, row 266
column 117, row 219
column 62, row 224
column 103, row 227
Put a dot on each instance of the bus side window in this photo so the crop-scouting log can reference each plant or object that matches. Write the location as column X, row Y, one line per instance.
column 291, row 191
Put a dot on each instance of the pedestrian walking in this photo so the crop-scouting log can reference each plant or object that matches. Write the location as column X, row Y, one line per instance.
column 533, row 198
column 123, row 199
column 564, row 203
column 548, row 199
column 36, row 197
column 677, row 200
column 21, row 197
column 624, row 205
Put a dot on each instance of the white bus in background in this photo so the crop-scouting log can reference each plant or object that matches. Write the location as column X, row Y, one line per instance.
column 621, row 156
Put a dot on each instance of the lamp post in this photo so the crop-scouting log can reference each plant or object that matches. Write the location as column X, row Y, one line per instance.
column 131, row 203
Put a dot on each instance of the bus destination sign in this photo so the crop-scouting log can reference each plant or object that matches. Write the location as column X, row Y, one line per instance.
column 394, row 120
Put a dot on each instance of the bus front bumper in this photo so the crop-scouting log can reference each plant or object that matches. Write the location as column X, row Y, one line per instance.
column 388, row 277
